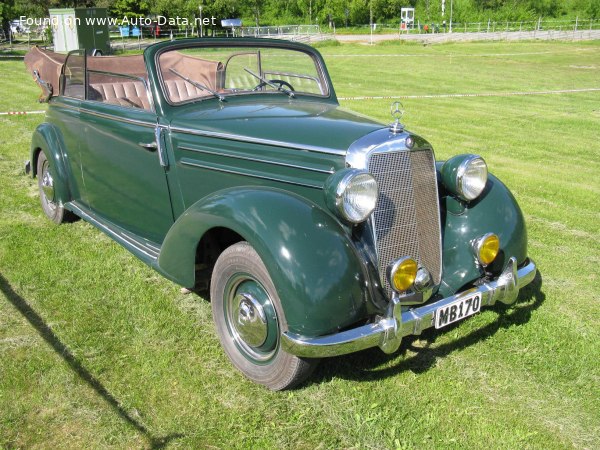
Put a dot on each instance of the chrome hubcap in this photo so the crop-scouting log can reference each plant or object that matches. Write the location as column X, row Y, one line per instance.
column 250, row 320
column 47, row 184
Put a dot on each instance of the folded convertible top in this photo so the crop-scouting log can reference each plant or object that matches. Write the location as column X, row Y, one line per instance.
column 47, row 65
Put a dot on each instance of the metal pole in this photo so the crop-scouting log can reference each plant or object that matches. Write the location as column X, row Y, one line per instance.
column 201, row 27
column 371, row 20
column 451, row 2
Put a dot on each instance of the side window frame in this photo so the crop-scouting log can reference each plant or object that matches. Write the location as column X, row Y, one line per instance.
column 63, row 77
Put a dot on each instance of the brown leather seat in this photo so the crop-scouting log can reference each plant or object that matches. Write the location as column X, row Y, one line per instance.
column 129, row 93
column 181, row 90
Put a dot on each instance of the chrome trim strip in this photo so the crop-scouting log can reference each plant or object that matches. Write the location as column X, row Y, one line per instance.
column 252, row 140
column 62, row 105
column 149, row 250
column 247, row 158
column 388, row 331
column 262, row 177
column 117, row 118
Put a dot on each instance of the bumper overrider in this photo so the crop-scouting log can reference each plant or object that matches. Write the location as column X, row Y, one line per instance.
column 388, row 331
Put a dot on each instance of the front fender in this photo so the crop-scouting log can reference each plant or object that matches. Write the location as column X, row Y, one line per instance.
column 315, row 268
column 496, row 211
column 47, row 138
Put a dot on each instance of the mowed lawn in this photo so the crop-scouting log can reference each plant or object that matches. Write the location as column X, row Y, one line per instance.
column 97, row 350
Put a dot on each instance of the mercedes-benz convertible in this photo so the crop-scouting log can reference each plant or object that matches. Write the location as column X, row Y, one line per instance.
column 228, row 164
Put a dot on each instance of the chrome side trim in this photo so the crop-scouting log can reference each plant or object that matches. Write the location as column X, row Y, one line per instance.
column 253, row 140
column 117, row 118
column 142, row 246
column 262, row 177
column 247, row 158
column 388, row 331
column 62, row 105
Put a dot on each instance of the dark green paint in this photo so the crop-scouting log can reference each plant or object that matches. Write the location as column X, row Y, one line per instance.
column 448, row 172
column 125, row 183
column 47, row 139
column 495, row 211
column 278, row 118
column 315, row 268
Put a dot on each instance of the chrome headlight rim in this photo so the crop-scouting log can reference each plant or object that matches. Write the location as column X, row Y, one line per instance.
column 461, row 173
column 459, row 178
column 337, row 188
column 478, row 244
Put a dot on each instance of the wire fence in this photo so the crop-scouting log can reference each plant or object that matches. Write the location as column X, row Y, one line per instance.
column 490, row 26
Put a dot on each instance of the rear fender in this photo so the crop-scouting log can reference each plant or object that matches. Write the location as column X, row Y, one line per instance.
column 47, row 138
column 315, row 268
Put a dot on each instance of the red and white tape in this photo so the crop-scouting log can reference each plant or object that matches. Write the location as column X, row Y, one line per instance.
column 20, row 113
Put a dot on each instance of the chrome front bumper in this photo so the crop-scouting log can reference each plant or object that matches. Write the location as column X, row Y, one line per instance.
column 388, row 331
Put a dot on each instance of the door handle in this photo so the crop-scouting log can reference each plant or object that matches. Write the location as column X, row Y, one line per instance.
column 151, row 146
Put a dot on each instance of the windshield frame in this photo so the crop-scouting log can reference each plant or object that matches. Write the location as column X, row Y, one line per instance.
column 254, row 44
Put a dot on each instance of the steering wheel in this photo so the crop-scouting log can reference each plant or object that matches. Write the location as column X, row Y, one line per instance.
column 281, row 83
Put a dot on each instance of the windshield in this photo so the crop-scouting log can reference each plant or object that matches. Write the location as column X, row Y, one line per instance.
column 198, row 73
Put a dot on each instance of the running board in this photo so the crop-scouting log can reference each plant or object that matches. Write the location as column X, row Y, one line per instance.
column 144, row 249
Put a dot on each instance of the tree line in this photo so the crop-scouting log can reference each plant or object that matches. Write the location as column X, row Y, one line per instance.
column 338, row 13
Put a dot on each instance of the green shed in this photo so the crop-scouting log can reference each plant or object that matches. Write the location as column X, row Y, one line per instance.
column 75, row 28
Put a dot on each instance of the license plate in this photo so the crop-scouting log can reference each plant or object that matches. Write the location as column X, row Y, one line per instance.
column 457, row 310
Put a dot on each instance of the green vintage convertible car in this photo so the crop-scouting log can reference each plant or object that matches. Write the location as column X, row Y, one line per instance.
column 229, row 163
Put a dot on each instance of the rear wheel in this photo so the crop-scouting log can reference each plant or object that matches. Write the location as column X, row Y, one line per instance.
column 249, row 319
column 46, row 184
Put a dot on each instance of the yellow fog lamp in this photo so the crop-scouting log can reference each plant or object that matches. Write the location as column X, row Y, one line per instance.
column 401, row 274
column 486, row 248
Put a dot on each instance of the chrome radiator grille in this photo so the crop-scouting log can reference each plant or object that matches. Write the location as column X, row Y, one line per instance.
column 407, row 219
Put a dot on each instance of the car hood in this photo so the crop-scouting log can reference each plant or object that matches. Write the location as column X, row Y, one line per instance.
column 294, row 122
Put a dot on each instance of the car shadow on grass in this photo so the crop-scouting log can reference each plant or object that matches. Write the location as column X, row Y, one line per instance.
column 365, row 365
column 65, row 353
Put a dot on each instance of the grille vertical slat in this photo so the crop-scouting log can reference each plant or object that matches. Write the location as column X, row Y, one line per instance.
column 406, row 219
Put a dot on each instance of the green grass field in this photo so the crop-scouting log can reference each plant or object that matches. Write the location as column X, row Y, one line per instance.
column 97, row 350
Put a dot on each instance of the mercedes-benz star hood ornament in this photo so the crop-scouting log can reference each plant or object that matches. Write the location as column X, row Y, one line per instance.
column 397, row 111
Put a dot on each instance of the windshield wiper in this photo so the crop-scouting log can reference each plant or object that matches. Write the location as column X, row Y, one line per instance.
column 198, row 85
column 273, row 85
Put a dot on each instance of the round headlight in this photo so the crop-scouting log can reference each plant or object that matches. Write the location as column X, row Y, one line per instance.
column 486, row 248
column 465, row 176
column 402, row 274
column 352, row 194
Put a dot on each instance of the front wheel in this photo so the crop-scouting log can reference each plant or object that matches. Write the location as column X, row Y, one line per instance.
column 249, row 319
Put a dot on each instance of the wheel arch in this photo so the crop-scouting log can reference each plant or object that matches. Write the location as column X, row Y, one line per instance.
column 316, row 269
column 46, row 138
